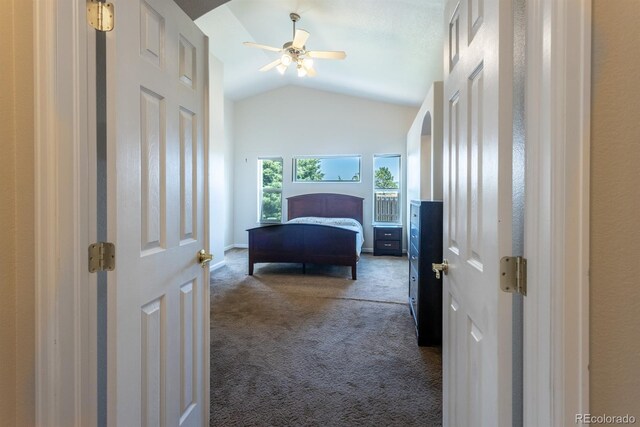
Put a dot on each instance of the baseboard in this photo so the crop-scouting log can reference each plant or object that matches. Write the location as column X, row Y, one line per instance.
column 217, row 265
column 236, row 246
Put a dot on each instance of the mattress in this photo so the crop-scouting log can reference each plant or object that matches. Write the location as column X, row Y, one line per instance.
column 347, row 223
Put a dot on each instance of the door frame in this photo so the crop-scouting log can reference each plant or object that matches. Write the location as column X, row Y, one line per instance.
column 557, row 240
column 64, row 123
column 556, row 308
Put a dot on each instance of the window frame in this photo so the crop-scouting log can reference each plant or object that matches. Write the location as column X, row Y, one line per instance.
column 398, row 190
column 294, row 167
column 262, row 190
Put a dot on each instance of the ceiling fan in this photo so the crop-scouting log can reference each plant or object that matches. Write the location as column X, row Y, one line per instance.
column 294, row 52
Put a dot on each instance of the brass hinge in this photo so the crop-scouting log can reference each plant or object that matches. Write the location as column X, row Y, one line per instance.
column 513, row 274
column 102, row 257
column 100, row 15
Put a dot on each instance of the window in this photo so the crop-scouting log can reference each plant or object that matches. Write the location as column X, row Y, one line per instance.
column 386, row 188
column 326, row 169
column 270, row 189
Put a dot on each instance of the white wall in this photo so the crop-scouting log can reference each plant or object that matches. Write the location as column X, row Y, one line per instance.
column 229, row 108
column 216, row 159
column 424, row 148
column 220, row 164
column 294, row 121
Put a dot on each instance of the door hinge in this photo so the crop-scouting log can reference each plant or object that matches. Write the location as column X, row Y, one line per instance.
column 100, row 15
column 102, row 257
column 513, row 274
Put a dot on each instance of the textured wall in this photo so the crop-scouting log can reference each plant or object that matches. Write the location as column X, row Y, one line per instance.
column 8, row 221
column 17, row 292
column 25, row 214
column 615, row 208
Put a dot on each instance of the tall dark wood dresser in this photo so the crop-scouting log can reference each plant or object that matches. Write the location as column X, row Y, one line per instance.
column 425, row 291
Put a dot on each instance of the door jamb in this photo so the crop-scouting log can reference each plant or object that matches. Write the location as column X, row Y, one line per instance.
column 556, row 308
column 64, row 290
column 206, row 295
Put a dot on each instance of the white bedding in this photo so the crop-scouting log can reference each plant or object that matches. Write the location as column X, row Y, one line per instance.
column 348, row 223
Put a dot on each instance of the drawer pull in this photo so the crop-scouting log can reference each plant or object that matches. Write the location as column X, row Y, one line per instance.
column 387, row 234
column 387, row 244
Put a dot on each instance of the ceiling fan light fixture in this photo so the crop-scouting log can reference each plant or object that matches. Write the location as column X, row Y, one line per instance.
column 307, row 63
column 281, row 68
column 301, row 71
column 286, row 59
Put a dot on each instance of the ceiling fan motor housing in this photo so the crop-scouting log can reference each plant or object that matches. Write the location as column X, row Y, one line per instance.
column 293, row 51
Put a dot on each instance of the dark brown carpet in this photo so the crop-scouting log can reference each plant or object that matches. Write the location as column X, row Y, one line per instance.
column 318, row 349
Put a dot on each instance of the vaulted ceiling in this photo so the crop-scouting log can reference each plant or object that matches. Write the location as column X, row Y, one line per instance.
column 394, row 47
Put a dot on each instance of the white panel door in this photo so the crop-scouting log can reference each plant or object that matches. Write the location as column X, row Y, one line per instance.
column 158, row 296
column 477, row 212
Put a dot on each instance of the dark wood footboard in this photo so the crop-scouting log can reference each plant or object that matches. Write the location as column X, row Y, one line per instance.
column 303, row 243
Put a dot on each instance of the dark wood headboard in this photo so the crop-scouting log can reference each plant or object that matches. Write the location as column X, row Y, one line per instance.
column 327, row 205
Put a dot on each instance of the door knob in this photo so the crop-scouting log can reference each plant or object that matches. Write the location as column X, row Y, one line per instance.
column 204, row 258
column 437, row 268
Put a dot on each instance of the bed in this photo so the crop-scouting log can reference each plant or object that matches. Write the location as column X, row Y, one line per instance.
column 307, row 238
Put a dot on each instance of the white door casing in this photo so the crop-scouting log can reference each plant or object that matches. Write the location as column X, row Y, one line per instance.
column 477, row 212
column 556, row 311
column 158, row 294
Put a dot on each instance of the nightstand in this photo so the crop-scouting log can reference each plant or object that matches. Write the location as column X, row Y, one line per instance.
column 387, row 240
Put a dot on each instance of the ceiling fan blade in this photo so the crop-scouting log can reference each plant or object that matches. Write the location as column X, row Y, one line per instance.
column 307, row 64
column 262, row 46
column 271, row 65
column 300, row 39
column 326, row 54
